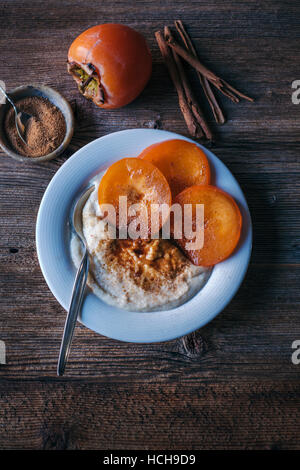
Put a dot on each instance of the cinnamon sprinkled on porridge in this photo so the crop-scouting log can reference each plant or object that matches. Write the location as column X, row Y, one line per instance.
column 141, row 275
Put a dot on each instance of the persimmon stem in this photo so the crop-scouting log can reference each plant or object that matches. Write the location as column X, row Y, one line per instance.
column 88, row 81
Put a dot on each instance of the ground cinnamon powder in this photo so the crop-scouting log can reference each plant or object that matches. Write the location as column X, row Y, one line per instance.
column 44, row 132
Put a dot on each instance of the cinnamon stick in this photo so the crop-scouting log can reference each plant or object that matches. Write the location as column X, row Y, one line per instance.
column 192, row 125
column 191, row 100
column 215, row 107
column 219, row 83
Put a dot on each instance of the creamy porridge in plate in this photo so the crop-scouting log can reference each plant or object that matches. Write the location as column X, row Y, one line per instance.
column 138, row 275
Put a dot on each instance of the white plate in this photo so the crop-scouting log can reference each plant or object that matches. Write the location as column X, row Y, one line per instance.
column 52, row 239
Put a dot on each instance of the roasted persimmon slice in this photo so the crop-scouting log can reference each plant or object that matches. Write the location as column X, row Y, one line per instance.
column 142, row 183
column 222, row 224
column 184, row 164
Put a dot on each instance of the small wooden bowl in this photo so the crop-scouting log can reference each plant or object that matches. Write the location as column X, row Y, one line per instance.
column 55, row 98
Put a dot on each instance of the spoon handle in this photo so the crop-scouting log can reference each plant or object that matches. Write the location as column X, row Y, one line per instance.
column 75, row 305
column 8, row 98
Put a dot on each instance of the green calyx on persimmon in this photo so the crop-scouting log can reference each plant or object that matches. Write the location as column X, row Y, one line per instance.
column 88, row 81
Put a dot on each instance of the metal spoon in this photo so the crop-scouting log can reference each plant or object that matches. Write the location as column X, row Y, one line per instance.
column 79, row 284
column 21, row 118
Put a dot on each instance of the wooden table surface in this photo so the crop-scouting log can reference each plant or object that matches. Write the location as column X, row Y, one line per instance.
column 231, row 384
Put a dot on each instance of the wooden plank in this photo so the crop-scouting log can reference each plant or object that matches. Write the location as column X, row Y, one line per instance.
column 80, row 416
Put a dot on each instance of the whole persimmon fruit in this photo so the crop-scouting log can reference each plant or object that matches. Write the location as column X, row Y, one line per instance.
column 111, row 64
